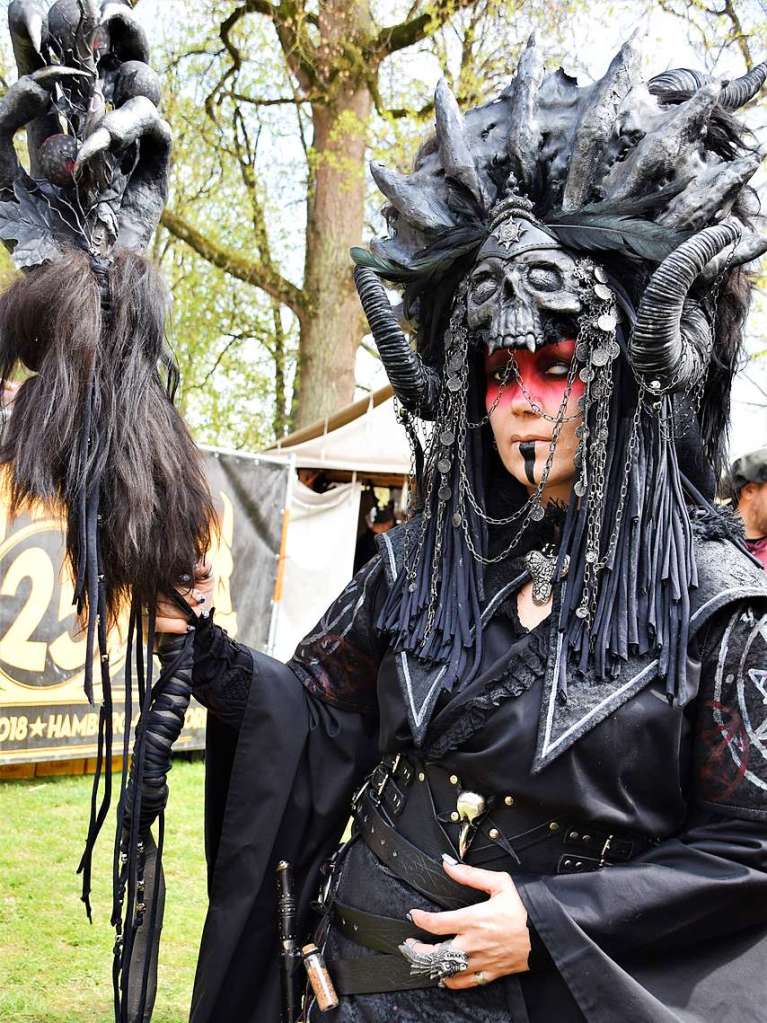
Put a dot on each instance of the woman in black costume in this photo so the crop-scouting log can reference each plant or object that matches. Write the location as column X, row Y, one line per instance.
column 545, row 698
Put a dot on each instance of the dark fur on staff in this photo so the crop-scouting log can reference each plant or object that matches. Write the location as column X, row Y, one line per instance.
column 138, row 449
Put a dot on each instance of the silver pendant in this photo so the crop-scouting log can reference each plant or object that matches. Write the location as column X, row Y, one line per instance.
column 542, row 565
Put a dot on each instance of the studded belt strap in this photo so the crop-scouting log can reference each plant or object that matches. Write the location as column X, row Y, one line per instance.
column 412, row 866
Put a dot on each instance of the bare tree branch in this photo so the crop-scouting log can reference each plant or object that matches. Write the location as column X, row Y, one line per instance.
column 251, row 271
column 413, row 30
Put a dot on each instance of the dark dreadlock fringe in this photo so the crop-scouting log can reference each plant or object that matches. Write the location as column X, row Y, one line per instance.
column 643, row 598
column 453, row 637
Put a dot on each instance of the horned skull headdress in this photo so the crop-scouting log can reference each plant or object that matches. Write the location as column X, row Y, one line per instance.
column 625, row 168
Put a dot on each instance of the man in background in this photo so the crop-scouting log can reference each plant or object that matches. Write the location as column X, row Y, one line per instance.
column 749, row 485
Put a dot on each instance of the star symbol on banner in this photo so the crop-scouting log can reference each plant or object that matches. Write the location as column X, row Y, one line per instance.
column 36, row 728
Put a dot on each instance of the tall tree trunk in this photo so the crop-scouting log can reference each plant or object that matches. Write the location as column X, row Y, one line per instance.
column 329, row 335
column 335, row 213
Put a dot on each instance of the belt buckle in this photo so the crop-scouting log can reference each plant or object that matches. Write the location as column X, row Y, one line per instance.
column 381, row 777
column 605, row 850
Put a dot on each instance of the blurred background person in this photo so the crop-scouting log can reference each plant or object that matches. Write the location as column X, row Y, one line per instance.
column 749, row 490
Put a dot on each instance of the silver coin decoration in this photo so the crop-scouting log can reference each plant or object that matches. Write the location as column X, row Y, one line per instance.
column 591, row 557
column 600, row 274
column 579, row 488
column 582, row 351
column 614, row 349
column 453, row 384
column 444, row 493
column 446, row 437
column 582, row 612
column 602, row 292
column 600, row 357
column 537, row 513
column 457, row 519
column 443, row 465
column 456, row 363
column 607, row 322
column 586, row 374
column 412, row 587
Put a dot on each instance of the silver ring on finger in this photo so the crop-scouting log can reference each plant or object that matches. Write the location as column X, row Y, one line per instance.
column 441, row 961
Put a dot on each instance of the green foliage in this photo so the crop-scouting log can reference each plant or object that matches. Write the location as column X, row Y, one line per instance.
column 54, row 966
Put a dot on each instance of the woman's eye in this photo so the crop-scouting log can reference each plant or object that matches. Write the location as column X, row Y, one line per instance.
column 545, row 279
column 558, row 369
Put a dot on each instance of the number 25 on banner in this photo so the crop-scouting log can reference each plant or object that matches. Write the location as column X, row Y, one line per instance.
column 40, row 642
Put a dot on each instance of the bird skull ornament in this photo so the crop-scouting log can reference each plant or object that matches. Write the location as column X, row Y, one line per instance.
column 523, row 290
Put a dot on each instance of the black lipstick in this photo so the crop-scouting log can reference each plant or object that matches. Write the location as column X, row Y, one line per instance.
column 527, row 450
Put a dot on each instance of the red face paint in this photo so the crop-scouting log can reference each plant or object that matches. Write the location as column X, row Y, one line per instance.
column 543, row 373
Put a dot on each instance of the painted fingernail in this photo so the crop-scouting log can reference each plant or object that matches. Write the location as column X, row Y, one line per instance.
column 409, row 917
column 450, row 859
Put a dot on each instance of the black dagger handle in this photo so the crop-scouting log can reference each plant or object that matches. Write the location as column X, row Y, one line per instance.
column 290, row 955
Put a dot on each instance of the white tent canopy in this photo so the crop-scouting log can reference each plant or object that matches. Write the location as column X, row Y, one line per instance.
column 361, row 443
column 364, row 438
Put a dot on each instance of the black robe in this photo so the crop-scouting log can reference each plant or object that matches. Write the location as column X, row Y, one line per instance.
column 679, row 934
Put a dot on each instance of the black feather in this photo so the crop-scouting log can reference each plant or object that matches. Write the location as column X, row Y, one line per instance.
column 630, row 237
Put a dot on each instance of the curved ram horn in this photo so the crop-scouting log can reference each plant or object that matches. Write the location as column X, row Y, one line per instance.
column 454, row 150
column 416, row 385
column 412, row 199
column 750, row 247
column 738, row 92
column 597, row 125
column 680, row 79
column 525, row 135
column 662, row 351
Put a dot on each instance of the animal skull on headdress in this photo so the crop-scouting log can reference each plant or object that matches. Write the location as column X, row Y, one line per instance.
column 522, row 288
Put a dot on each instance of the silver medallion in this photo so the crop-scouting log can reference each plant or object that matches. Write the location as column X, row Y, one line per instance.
column 607, row 322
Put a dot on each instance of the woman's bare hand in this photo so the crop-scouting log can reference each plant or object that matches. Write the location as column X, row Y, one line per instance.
column 199, row 596
column 493, row 934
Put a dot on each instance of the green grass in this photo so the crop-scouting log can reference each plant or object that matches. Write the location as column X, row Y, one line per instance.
column 54, row 966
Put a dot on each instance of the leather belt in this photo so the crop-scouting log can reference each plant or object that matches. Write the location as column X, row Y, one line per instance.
column 386, row 794
column 422, row 802
column 423, row 873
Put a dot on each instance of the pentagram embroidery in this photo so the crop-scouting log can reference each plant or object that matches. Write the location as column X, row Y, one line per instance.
column 508, row 233
column 739, row 715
